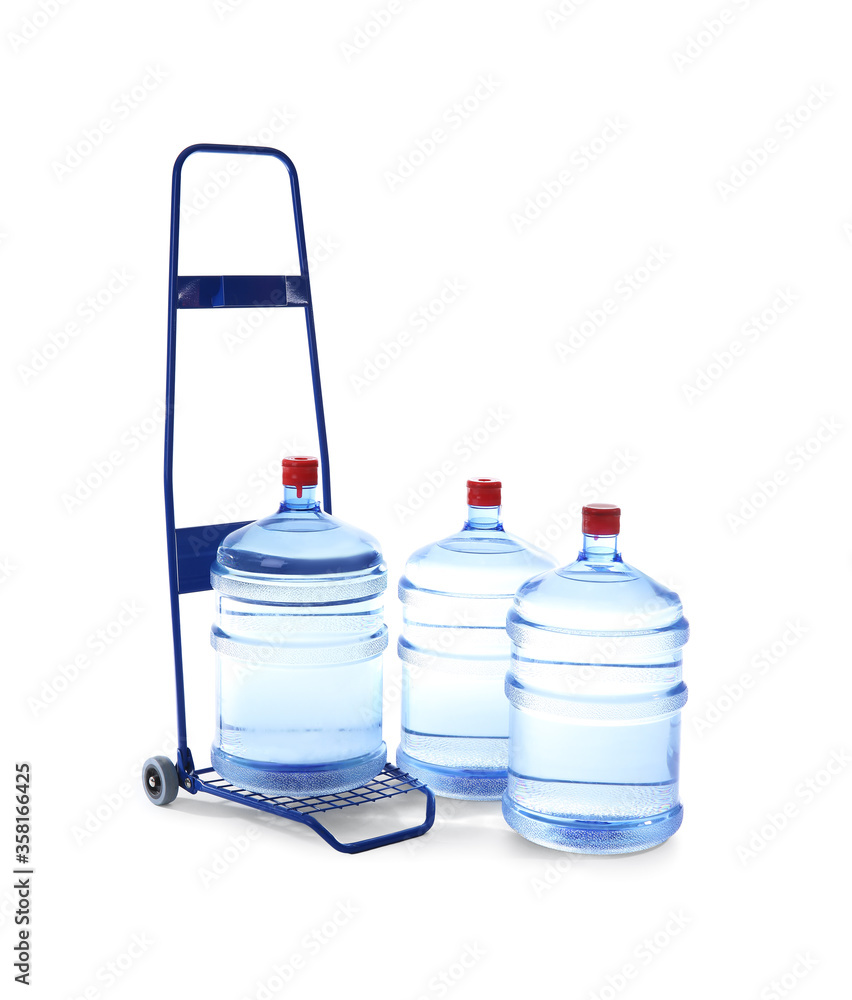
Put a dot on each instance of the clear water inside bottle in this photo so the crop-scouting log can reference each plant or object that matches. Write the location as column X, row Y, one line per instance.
column 455, row 653
column 595, row 690
column 299, row 637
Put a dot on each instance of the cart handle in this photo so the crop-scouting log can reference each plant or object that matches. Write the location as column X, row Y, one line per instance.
column 241, row 291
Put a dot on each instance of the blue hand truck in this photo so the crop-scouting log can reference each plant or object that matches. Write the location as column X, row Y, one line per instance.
column 192, row 550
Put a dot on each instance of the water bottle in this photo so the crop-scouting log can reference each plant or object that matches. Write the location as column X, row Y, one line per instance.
column 455, row 651
column 299, row 637
column 595, row 691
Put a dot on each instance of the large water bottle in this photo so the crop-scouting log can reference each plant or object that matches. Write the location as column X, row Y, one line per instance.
column 299, row 637
column 455, row 651
column 595, row 691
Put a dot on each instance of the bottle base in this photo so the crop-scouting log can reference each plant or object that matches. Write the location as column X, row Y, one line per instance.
column 298, row 781
column 581, row 836
column 476, row 783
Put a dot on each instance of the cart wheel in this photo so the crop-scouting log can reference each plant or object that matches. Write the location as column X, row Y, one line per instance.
column 159, row 776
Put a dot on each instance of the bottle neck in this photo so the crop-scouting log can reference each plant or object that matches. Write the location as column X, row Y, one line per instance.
column 484, row 518
column 307, row 501
column 600, row 548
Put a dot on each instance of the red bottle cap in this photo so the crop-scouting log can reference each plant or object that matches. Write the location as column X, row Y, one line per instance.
column 601, row 519
column 299, row 471
column 484, row 492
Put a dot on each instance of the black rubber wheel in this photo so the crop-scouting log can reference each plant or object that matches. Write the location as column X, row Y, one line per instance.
column 160, row 780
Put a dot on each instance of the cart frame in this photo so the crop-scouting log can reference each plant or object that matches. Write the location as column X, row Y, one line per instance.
column 191, row 550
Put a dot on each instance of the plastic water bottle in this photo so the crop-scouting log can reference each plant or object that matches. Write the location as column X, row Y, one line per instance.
column 595, row 691
column 299, row 637
column 455, row 651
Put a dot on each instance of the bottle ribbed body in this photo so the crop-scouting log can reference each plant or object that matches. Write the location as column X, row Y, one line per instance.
column 596, row 690
column 298, row 637
column 454, row 653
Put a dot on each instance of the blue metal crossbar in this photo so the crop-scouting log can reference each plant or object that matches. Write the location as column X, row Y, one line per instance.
column 242, row 291
column 192, row 550
column 196, row 550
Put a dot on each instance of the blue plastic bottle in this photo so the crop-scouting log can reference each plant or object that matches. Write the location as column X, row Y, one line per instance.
column 299, row 637
column 455, row 651
column 595, row 691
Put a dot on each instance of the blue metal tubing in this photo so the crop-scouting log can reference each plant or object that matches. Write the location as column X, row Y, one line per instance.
column 296, row 293
column 191, row 550
column 355, row 847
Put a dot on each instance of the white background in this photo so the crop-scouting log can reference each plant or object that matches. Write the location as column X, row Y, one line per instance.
column 707, row 172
